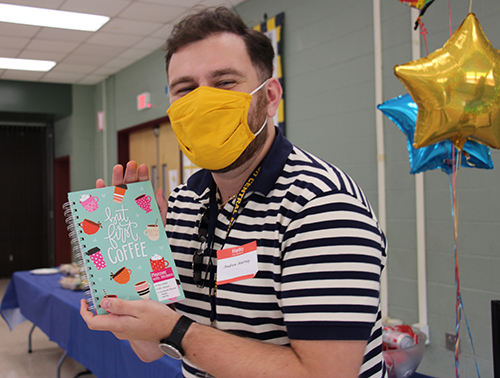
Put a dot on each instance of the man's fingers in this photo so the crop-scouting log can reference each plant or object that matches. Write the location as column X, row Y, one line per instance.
column 84, row 311
column 133, row 173
column 130, row 173
column 117, row 175
column 120, row 307
column 100, row 183
column 143, row 172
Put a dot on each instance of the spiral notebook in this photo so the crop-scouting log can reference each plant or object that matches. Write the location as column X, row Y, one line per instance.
column 118, row 236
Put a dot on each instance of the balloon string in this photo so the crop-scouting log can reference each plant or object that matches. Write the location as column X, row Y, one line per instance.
column 454, row 214
column 459, row 307
column 470, row 337
column 423, row 32
column 470, row 6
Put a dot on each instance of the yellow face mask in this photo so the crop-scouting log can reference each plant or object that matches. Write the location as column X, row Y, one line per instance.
column 211, row 125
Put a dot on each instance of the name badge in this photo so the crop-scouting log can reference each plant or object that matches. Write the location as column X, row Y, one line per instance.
column 236, row 264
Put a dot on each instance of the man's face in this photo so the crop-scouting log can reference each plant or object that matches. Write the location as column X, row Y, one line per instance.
column 220, row 61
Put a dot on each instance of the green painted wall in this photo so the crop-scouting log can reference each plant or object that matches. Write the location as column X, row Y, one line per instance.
column 40, row 98
column 330, row 111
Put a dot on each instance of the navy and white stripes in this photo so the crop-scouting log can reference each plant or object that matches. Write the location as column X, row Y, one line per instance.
column 320, row 256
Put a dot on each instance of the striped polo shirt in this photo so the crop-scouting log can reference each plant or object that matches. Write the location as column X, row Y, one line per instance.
column 320, row 254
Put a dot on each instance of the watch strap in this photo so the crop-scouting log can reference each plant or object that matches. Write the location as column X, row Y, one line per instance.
column 177, row 334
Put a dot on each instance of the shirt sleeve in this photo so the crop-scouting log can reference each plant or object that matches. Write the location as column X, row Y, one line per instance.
column 333, row 255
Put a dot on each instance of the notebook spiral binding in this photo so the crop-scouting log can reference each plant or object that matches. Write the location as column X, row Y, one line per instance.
column 78, row 246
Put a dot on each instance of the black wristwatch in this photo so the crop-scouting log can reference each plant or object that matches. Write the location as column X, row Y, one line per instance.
column 171, row 346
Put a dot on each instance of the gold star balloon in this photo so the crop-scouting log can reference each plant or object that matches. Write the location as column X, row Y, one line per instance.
column 457, row 89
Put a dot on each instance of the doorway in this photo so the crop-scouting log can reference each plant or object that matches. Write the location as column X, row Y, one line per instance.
column 26, row 223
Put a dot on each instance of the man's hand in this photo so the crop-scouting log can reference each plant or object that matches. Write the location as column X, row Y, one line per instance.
column 132, row 320
column 134, row 174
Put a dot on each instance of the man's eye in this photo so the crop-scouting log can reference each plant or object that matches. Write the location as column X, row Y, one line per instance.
column 184, row 90
column 226, row 84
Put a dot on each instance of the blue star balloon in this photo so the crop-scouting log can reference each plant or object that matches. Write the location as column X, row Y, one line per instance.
column 403, row 112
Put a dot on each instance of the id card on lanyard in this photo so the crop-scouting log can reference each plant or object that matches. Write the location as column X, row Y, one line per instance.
column 244, row 257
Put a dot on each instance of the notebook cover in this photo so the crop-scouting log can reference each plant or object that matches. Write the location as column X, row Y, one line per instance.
column 123, row 244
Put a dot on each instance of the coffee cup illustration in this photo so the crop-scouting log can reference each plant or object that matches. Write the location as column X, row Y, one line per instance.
column 90, row 227
column 119, row 193
column 96, row 257
column 143, row 288
column 122, row 276
column 157, row 262
column 89, row 202
column 152, row 231
column 144, row 202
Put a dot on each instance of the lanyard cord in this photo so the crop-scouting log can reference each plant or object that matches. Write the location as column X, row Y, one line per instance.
column 214, row 212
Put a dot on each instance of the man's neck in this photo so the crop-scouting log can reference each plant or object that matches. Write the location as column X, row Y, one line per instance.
column 230, row 183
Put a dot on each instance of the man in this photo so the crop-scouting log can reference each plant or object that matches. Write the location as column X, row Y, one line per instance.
column 303, row 299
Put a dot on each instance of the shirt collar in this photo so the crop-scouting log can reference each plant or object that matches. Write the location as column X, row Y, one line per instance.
column 272, row 166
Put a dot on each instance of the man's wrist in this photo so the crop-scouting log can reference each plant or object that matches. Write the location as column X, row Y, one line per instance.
column 172, row 345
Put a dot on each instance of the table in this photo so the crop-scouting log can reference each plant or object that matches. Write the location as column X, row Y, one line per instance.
column 56, row 311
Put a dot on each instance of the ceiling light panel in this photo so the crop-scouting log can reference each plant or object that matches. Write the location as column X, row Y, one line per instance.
column 26, row 64
column 18, row 14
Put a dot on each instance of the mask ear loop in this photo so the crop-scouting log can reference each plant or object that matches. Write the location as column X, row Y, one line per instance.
column 258, row 88
column 265, row 122
column 261, row 128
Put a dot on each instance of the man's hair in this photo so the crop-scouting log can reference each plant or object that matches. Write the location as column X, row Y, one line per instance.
column 210, row 21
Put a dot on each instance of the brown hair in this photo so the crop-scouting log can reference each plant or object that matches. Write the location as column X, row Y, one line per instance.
column 209, row 21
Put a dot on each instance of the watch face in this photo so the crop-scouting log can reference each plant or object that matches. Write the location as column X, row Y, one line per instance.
column 170, row 351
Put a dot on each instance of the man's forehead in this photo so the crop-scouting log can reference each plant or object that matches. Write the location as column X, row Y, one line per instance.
column 213, row 54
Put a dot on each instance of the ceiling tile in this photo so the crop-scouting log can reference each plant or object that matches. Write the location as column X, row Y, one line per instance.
column 183, row 3
column 63, row 35
column 105, row 8
column 216, row 3
column 120, row 62
column 21, row 75
column 150, row 44
column 134, row 54
column 76, row 68
column 52, row 46
column 163, row 32
column 86, row 59
column 13, row 43
column 98, row 50
column 9, row 53
column 62, row 77
column 52, row 4
column 92, row 79
column 42, row 55
column 109, row 39
column 16, row 30
column 105, row 70
column 130, row 27
column 151, row 12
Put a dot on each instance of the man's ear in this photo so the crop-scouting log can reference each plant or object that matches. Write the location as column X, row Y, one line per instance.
column 274, row 92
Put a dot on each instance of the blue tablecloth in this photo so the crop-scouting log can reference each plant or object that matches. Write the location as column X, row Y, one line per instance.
column 56, row 311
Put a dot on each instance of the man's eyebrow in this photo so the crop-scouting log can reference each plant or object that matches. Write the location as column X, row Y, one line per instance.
column 214, row 74
column 180, row 80
column 227, row 71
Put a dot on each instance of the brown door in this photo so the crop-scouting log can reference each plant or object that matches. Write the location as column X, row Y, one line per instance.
column 160, row 151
